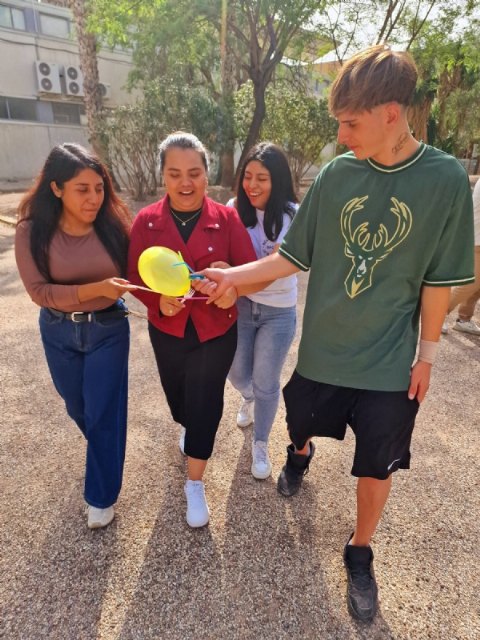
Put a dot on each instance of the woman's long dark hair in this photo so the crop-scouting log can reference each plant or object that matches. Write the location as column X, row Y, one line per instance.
column 43, row 209
column 283, row 193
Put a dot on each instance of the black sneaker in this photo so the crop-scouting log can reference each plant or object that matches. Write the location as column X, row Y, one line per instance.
column 362, row 587
column 291, row 476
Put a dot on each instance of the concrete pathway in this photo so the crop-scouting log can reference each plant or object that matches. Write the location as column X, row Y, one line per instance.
column 266, row 568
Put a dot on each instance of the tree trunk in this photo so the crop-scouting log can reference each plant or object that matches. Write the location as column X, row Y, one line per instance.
column 256, row 124
column 87, row 48
column 227, row 163
column 418, row 116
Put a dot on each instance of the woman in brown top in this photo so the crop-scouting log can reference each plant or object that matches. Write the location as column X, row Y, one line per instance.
column 71, row 249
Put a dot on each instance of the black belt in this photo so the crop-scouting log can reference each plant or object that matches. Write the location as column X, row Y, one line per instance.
column 90, row 316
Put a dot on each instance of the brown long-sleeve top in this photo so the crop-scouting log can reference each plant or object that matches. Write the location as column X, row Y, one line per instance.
column 73, row 260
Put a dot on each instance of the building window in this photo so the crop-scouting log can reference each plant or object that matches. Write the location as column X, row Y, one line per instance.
column 3, row 108
column 21, row 109
column 12, row 18
column 54, row 26
column 64, row 113
column 68, row 113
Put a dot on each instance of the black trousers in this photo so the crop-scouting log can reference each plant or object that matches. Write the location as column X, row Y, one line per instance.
column 193, row 376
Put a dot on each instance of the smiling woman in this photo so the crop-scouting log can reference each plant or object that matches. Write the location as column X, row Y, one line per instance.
column 185, row 178
column 194, row 343
column 266, row 202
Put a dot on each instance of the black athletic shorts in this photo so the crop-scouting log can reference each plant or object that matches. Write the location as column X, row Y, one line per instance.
column 382, row 421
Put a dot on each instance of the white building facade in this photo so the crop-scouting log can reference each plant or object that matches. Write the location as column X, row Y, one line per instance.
column 41, row 91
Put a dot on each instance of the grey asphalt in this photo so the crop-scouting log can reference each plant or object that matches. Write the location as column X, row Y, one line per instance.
column 266, row 567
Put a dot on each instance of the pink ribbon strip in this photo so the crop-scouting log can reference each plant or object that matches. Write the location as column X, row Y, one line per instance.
column 178, row 297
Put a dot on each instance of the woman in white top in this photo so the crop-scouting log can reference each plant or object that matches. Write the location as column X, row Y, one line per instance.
column 266, row 202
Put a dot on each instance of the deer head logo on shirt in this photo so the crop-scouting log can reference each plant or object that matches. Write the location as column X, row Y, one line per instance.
column 367, row 249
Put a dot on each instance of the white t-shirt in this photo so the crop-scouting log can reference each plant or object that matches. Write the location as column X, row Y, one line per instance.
column 282, row 292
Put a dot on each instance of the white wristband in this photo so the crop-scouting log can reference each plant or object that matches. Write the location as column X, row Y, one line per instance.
column 427, row 351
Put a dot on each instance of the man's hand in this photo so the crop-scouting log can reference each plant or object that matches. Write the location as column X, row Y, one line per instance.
column 214, row 284
column 419, row 380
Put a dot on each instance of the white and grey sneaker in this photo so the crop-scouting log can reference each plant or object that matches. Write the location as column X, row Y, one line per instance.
column 445, row 327
column 98, row 518
column 467, row 326
column 245, row 413
column 261, row 465
column 181, row 440
column 197, row 508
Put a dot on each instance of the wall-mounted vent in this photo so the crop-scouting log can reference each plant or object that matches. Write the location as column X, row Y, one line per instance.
column 73, row 81
column 48, row 77
column 106, row 91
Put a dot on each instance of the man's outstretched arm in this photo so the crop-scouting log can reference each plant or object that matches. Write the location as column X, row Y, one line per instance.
column 242, row 277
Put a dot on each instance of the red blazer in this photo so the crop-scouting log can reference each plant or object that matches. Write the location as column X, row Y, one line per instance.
column 218, row 235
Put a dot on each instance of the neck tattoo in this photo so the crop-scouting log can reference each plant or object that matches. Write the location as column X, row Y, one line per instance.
column 182, row 221
column 402, row 141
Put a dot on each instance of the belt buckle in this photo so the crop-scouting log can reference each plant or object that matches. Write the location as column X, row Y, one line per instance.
column 81, row 314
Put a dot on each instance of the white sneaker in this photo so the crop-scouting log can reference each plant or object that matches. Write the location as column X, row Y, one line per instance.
column 467, row 326
column 445, row 328
column 245, row 413
column 261, row 465
column 98, row 518
column 181, row 440
column 197, row 508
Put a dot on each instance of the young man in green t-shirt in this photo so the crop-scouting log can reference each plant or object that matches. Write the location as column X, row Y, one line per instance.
column 385, row 231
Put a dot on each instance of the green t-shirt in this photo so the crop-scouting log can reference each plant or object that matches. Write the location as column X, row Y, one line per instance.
column 371, row 236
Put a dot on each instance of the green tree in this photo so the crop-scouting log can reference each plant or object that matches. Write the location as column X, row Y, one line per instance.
column 179, row 40
column 132, row 133
column 297, row 122
column 448, row 68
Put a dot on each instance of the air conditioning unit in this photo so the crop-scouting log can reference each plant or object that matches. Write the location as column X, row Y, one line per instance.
column 73, row 81
column 48, row 77
column 106, row 91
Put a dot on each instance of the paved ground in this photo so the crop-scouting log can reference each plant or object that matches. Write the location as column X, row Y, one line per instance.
column 266, row 568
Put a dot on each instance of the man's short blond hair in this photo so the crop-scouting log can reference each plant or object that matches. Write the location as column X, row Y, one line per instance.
column 375, row 76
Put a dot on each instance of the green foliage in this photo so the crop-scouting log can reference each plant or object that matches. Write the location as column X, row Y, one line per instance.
column 133, row 133
column 297, row 122
column 449, row 72
column 180, row 58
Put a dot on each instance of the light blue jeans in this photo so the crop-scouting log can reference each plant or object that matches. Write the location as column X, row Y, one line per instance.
column 265, row 334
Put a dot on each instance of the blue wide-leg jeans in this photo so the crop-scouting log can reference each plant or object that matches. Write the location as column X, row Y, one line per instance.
column 265, row 334
column 88, row 363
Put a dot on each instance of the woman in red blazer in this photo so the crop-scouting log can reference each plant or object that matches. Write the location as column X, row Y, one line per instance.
column 194, row 343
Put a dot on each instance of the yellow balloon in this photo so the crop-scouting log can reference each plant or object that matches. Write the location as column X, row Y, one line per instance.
column 157, row 269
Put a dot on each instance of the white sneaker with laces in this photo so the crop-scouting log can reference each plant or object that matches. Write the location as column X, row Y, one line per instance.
column 467, row 326
column 445, row 328
column 261, row 465
column 197, row 508
column 245, row 413
column 181, row 440
column 98, row 518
